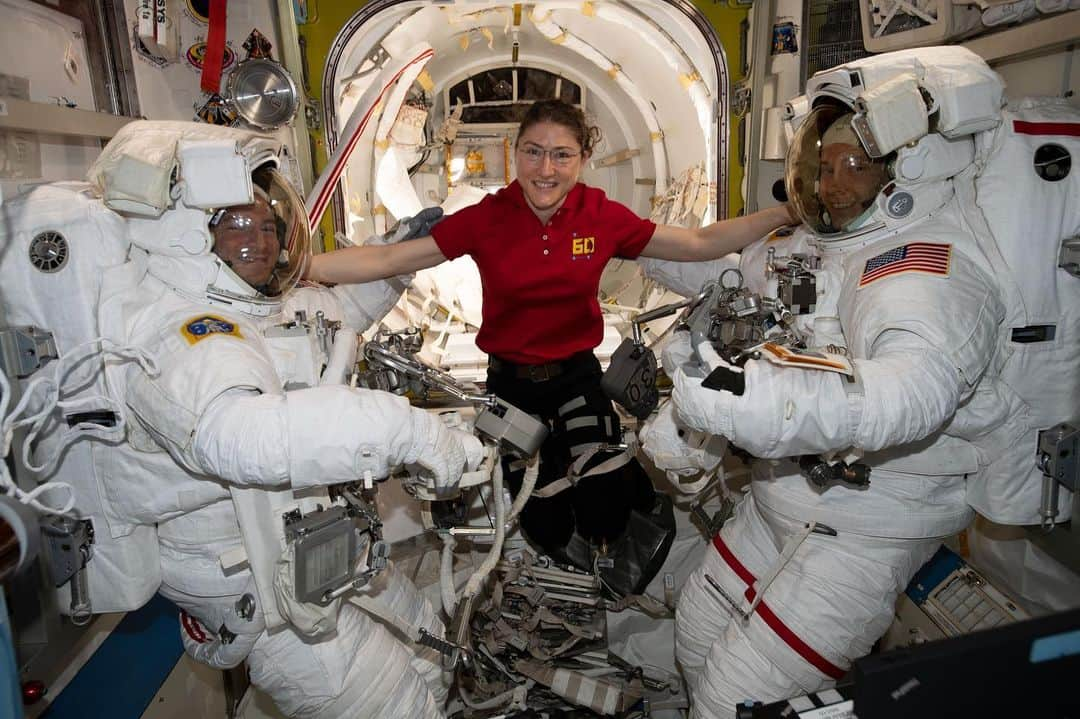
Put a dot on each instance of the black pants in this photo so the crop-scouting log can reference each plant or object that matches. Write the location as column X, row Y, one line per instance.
column 577, row 414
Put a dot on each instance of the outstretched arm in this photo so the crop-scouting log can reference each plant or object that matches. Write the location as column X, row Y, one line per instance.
column 365, row 263
column 715, row 240
column 909, row 389
column 252, row 439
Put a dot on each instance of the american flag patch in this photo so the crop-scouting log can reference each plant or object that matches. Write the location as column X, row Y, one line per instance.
column 927, row 257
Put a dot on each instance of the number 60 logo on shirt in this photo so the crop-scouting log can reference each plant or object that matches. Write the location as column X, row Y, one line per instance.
column 583, row 246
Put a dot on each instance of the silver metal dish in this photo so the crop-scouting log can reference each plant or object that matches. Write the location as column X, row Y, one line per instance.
column 262, row 93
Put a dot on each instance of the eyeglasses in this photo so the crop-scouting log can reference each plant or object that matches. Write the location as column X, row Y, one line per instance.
column 535, row 155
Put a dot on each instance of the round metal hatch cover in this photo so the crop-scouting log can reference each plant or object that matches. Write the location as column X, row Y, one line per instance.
column 262, row 93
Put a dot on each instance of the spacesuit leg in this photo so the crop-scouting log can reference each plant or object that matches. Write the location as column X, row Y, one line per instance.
column 396, row 592
column 697, row 631
column 827, row 607
column 360, row 672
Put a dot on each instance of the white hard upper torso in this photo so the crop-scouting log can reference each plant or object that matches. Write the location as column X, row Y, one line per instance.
column 916, row 489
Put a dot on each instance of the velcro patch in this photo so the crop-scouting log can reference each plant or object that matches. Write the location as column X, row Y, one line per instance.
column 925, row 257
column 199, row 328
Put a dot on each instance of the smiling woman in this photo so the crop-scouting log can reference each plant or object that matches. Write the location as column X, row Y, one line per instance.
column 552, row 144
column 850, row 179
column 541, row 245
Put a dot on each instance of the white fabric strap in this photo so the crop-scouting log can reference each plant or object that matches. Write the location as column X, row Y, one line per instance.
column 570, row 406
column 552, row 489
column 790, row 547
column 696, row 487
column 574, row 475
column 586, row 421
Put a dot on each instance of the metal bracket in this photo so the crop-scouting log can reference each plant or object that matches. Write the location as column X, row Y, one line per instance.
column 24, row 350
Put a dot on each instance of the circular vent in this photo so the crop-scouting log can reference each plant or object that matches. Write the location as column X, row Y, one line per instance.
column 49, row 251
column 1052, row 162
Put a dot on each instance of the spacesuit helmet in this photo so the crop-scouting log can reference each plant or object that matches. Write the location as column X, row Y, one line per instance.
column 830, row 178
column 181, row 187
column 264, row 245
column 903, row 125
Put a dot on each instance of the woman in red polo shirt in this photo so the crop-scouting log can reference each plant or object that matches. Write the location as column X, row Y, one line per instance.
column 541, row 244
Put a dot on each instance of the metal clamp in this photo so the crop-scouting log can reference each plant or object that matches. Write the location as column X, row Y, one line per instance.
column 23, row 350
column 732, row 604
column 1057, row 458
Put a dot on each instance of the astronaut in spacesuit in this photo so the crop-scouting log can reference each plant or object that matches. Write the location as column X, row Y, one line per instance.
column 803, row 579
column 248, row 403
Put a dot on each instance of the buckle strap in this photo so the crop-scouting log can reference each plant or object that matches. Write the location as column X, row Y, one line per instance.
column 539, row 372
column 534, row 372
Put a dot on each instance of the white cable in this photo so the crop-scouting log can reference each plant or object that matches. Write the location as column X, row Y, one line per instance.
column 502, row 519
column 446, row 574
column 48, row 390
column 528, row 483
column 6, row 482
column 477, row 579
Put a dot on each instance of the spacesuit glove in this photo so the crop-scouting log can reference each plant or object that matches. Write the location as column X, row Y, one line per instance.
column 441, row 454
column 474, row 451
column 677, row 352
column 768, row 410
column 409, row 228
column 702, row 402
column 679, row 450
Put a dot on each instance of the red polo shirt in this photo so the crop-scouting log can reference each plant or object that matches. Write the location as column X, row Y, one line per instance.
column 540, row 282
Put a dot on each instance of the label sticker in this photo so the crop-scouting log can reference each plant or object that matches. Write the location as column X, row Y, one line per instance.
column 843, row 710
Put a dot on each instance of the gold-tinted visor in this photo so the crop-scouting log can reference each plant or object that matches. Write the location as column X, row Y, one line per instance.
column 831, row 206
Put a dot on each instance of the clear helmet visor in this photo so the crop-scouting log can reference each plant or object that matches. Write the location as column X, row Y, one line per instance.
column 830, row 179
column 266, row 244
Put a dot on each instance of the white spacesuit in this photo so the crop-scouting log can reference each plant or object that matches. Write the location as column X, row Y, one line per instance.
column 219, row 242
column 805, row 577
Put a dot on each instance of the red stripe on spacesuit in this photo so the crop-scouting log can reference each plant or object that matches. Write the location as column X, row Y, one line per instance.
column 1023, row 127
column 774, row 622
column 191, row 626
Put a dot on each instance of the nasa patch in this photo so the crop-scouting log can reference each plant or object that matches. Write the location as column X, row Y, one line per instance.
column 199, row 328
